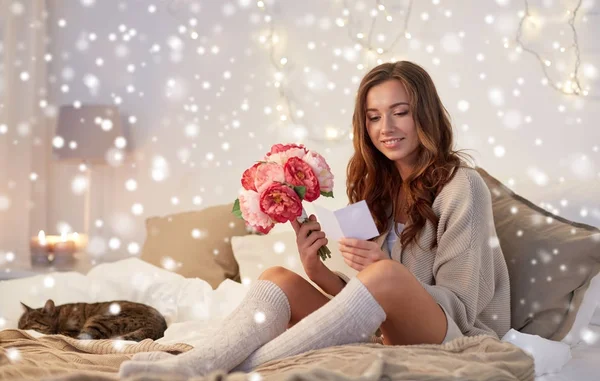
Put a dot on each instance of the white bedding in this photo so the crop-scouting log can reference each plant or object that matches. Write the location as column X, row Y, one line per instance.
column 179, row 299
column 193, row 309
column 584, row 364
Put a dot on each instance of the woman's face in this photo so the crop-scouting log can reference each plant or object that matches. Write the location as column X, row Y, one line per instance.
column 390, row 124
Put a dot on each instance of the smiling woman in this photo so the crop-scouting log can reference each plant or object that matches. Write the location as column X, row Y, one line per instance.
column 405, row 167
column 403, row 135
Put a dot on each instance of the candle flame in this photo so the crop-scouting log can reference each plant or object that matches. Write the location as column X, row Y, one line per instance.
column 42, row 237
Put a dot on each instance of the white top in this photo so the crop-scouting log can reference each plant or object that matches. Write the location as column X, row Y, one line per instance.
column 392, row 237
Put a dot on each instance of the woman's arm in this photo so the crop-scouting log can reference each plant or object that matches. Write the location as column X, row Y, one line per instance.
column 464, row 268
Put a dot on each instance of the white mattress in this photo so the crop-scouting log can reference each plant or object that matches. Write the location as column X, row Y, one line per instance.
column 194, row 310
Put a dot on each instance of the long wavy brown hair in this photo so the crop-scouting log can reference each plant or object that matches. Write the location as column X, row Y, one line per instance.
column 374, row 178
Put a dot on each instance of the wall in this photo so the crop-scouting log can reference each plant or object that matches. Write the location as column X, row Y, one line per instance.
column 205, row 105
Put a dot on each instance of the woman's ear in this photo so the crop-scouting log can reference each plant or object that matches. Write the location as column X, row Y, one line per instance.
column 49, row 307
column 26, row 307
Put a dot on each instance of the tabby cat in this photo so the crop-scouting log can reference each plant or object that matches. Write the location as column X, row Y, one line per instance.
column 106, row 320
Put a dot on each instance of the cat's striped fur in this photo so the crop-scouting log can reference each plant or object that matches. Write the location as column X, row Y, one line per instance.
column 106, row 320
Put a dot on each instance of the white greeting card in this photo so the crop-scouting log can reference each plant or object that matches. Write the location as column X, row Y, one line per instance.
column 352, row 221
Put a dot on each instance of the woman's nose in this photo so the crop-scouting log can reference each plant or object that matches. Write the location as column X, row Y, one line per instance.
column 388, row 124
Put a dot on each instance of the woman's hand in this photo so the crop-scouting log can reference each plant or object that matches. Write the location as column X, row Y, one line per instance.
column 359, row 253
column 309, row 239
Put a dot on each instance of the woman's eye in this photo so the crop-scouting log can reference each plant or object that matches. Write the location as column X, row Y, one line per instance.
column 401, row 113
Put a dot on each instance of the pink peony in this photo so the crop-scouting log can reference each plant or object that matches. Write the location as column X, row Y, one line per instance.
column 298, row 172
column 249, row 176
column 277, row 148
column 281, row 203
column 252, row 213
column 280, row 153
column 321, row 170
column 266, row 174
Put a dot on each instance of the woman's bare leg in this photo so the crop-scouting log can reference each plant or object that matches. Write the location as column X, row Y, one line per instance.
column 303, row 297
column 413, row 316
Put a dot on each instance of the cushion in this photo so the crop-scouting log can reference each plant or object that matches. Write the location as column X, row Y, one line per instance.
column 195, row 244
column 551, row 262
column 256, row 253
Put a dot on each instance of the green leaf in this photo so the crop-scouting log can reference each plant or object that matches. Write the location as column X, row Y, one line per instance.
column 327, row 194
column 300, row 191
column 236, row 209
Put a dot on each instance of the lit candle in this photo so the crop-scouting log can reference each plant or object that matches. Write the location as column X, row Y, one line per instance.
column 40, row 249
column 54, row 249
column 64, row 247
column 42, row 238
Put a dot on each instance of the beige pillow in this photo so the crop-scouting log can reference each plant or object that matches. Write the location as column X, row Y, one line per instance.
column 550, row 260
column 195, row 244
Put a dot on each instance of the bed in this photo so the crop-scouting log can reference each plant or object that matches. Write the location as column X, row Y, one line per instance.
column 193, row 309
column 195, row 283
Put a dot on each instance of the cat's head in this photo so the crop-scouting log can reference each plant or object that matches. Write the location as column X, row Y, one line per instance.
column 43, row 320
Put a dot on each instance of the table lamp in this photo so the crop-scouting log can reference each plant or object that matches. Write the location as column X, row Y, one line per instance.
column 87, row 133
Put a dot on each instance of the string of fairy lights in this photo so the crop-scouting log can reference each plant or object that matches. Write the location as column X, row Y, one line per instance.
column 288, row 107
column 572, row 86
column 365, row 43
column 271, row 39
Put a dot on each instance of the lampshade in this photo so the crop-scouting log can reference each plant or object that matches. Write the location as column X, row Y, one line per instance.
column 93, row 128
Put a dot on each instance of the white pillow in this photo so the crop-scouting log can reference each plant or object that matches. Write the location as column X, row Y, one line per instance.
column 256, row 253
column 591, row 300
column 585, row 315
column 549, row 356
column 596, row 318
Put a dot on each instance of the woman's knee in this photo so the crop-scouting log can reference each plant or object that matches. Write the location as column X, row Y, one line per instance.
column 383, row 271
column 384, row 275
column 278, row 273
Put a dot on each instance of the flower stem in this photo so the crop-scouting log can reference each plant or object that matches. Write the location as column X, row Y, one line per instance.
column 324, row 252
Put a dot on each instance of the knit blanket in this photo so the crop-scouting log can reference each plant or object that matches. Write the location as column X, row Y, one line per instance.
column 60, row 358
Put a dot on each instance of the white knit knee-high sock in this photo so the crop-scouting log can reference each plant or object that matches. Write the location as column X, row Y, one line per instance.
column 352, row 316
column 261, row 316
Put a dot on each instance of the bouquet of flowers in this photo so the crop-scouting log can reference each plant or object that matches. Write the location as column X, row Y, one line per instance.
column 275, row 187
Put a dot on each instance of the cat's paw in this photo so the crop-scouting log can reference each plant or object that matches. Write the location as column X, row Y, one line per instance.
column 84, row 336
column 151, row 356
